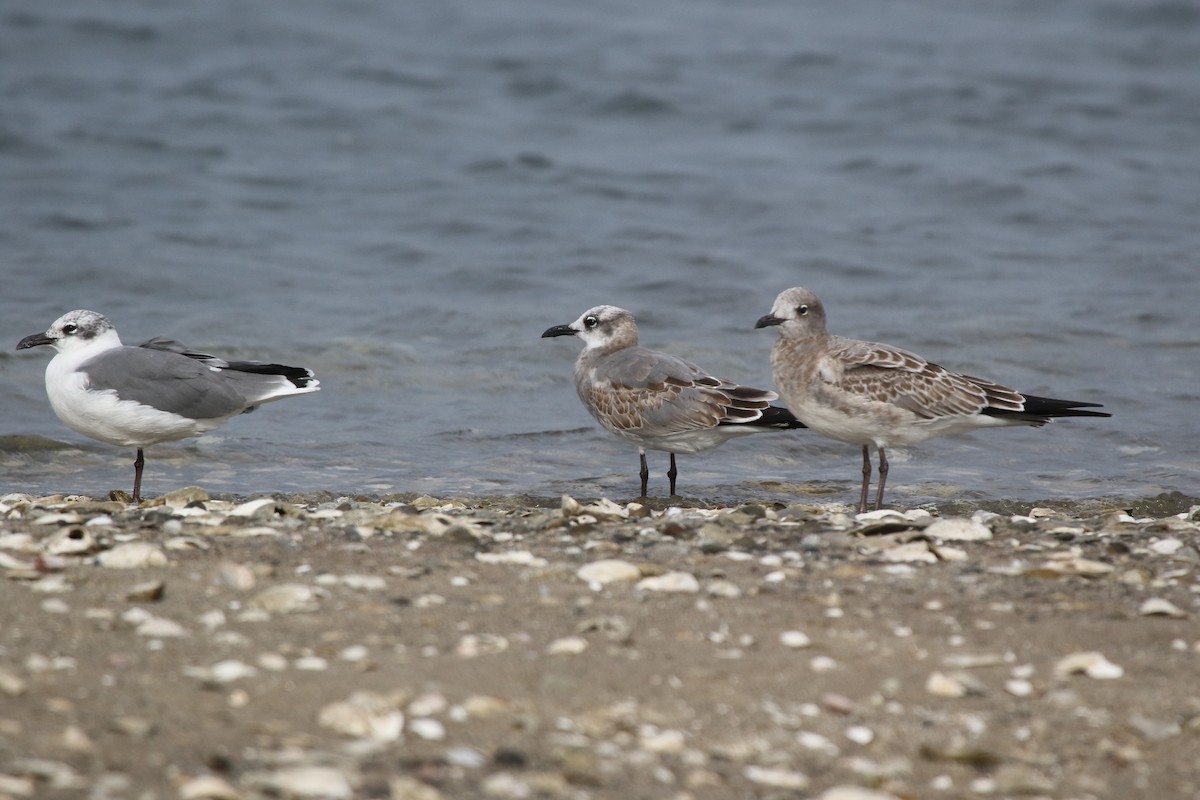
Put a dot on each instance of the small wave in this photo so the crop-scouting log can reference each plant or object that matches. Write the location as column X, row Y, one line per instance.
column 22, row 443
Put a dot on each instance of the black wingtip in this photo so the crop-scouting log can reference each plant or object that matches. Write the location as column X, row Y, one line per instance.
column 777, row 417
column 299, row 377
column 1040, row 410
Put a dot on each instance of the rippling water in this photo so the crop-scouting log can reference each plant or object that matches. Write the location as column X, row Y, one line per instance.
column 402, row 196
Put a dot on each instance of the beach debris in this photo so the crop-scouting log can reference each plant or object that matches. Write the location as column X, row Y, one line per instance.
column 133, row 555
column 366, row 715
column 795, row 640
column 208, row 787
column 403, row 605
column 1160, row 607
column 1091, row 663
column 306, row 782
column 607, row 571
column 776, row 777
column 286, row 598
column 958, row 529
column 670, row 582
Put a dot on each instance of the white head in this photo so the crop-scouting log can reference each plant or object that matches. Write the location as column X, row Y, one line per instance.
column 74, row 331
column 606, row 327
column 797, row 313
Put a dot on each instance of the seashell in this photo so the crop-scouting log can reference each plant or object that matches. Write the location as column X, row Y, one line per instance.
column 132, row 555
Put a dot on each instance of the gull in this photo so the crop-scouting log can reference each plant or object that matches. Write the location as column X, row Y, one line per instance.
column 657, row 401
column 157, row 392
column 875, row 394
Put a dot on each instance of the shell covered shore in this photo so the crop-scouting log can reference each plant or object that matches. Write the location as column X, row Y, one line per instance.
column 417, row 648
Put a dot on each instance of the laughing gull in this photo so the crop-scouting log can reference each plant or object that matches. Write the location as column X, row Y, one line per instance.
column 157, row 392
column 875, row 394
column 657, row 401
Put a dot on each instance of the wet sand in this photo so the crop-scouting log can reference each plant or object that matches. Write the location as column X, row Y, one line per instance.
column 419, row 648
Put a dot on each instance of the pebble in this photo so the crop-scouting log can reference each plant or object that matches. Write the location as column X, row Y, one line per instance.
column 427, row 728
column 776, row 778
column 608, row 571
column 942, row 685
column 679, row 582
column 958, row 529
column 567, row 646
column 475, row 645
column 161, row 628
column 1154, row 730
column 286, row 598
column 222, row 672
column 11, row 684
column 795, row 640
column 365, row 715
column 403, row 787
column 208, row 787
column 133, row 555
column 723, row 588
column 303, row 783
column 1090, row 663
column 911, row 552
column 655, row 740
column 854, row 793
column 860, row 734
column 147, row 591
column 1166, row 547
column 522, row 558
column 1157, row 606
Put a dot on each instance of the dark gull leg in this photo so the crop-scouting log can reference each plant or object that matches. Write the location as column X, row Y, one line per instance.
column 645, row 473
column 137, row 476
column 883, row 471
column 672, row 473
column 866, row 484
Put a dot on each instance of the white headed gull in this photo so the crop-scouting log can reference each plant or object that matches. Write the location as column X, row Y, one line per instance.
column 157, row 392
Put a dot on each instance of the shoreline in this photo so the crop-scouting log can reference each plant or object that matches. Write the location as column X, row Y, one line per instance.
column 417, row 648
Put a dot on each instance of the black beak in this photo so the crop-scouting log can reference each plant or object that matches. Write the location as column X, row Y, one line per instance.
column 769, row 319
column 33, row 341
column 559, row 330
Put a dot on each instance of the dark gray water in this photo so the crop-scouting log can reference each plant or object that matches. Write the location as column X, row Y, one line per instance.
column 402, row 196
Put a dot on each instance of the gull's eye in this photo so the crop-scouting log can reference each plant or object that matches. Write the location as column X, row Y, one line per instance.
column 70, row 328
column 801, row 310
column 590, row 322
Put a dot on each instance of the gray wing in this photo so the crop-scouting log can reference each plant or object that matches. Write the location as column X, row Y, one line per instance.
column 165, row 380
column 891, row 375
column 176, row 346
column 657, row 394
column 273, row 381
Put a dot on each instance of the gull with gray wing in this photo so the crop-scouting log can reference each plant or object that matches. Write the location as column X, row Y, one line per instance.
column 157, row 392
column 875, row 394
column 657, row 401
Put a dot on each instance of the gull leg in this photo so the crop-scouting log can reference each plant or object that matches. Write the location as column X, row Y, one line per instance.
column 137, row 476
column 883, row 471
column 866, row 484
column 671, row 474
column 645, row 472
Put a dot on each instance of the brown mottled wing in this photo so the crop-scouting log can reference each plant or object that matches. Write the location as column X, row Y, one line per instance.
column 890, row 375
column 640, row 390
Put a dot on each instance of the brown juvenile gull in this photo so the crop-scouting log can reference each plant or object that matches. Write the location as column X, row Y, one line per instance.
column 157, row 392
column 657, row 401
column 875, row 394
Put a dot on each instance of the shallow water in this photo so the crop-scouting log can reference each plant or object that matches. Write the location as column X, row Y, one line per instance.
column 403, row 196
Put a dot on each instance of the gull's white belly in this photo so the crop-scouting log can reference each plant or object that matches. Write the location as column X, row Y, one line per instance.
column 102, row 416
column 884, row 425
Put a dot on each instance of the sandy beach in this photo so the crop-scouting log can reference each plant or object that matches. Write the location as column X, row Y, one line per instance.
column 418, row 648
